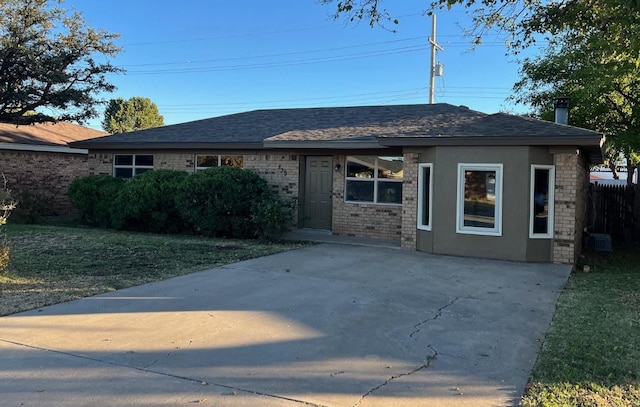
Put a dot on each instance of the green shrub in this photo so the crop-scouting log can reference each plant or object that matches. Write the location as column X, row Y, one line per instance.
column 273, row 217
column 93, row 196
column 220, row 201
column 146, row 203
column 33, row 205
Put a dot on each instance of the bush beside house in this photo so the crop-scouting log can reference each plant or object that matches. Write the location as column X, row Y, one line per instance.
column 219, row 202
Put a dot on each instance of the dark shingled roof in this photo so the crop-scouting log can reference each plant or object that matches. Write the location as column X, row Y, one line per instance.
column 393, row 125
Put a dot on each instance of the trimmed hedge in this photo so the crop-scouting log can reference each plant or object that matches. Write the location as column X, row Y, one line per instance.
column 219, row 202
column 146, row 203
column 93, row 196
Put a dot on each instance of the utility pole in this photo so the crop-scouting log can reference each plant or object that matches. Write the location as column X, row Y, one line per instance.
column 434, row 47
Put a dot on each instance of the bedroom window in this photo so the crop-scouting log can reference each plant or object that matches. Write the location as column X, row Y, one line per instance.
column 130, row 165
column 371, row 179
column 207, row 161
column 425, row 190
column 479, row 208
column 542, row 202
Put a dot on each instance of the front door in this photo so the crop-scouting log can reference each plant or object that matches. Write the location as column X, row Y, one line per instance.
column 317, row 193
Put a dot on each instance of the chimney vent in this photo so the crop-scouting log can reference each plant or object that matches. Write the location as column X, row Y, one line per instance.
column 561, row 109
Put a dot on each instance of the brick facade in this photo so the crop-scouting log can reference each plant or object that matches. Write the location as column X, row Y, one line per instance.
column 280, row 171
column 572, row 177
column 362, row 220
column 172, row 161
column 100, row 164
column 410, row 201
column 40, row 180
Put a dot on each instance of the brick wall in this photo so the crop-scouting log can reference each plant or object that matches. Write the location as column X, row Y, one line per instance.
column 172, row 161
column 100, row 164
column 572, row 177
column 42, row 179
column 363, row 220
column 410, row 201
column 280, row 171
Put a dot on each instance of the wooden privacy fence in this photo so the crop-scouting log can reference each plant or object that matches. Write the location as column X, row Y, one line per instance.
column 614, row 210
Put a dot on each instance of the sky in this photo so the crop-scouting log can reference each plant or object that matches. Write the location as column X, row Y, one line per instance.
column 204, row 58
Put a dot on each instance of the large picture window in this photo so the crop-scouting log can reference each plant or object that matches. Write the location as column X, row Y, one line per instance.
column 479, row 208
column 204, row 161
column 425, row 189
column 374, row 179
column 130, row 165
column 542, row 202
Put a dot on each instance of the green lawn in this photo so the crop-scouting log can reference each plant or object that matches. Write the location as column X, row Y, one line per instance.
column 51, row 264
column 591, row 355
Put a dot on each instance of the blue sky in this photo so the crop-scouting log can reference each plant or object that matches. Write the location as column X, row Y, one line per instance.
column 201, row 58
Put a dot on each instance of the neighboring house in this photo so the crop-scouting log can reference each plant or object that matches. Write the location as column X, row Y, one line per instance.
column 439, row 178
column 39, row 166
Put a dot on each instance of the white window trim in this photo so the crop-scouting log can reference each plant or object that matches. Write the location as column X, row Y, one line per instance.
column 375, row 181
column 551, row 200
column 470, row 230
column 421, row 222
column 133, row 165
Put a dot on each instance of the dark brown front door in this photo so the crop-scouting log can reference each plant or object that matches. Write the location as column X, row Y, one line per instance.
column 317, row 195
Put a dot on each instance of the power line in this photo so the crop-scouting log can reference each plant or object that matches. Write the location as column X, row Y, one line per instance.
column 370, row 54
column 274, row 55
column 298, row 99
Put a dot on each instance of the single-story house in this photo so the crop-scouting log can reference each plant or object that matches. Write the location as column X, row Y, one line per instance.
column 39, row 165
column 439, row 178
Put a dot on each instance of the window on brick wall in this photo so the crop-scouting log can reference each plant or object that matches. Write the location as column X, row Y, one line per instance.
column 130, row 165
column 425, row 190
column 479, row 207
column 542, row 201
column 204, row 161
column 374, row 179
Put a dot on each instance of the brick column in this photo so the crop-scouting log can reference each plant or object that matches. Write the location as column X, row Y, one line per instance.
column 572, row 176
column 410, row 201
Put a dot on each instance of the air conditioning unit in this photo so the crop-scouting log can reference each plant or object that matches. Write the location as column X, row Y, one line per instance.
column 599, row 242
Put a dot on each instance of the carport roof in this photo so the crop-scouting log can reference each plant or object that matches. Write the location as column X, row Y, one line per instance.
column 354, row 127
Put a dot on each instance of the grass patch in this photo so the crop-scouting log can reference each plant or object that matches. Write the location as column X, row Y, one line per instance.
column 591, row 355
column 52, row 264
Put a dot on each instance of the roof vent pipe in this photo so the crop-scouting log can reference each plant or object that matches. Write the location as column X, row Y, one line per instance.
column 561, row 109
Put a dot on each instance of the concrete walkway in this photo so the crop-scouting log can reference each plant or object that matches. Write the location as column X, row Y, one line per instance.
column 328, row 325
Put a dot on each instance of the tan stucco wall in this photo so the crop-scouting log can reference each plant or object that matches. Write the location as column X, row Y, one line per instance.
column 514, row 244
column 43, row 177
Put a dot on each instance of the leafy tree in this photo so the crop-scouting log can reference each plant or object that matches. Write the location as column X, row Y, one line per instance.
column 604, row 89
column 137, row 113
column 522, row 22
column 49, row 59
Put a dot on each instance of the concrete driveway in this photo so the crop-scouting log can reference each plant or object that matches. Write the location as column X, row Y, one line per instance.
column 328, row 325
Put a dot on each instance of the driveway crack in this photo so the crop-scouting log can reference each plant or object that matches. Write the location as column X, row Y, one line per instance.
column 416, row 327
column 425, row 365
